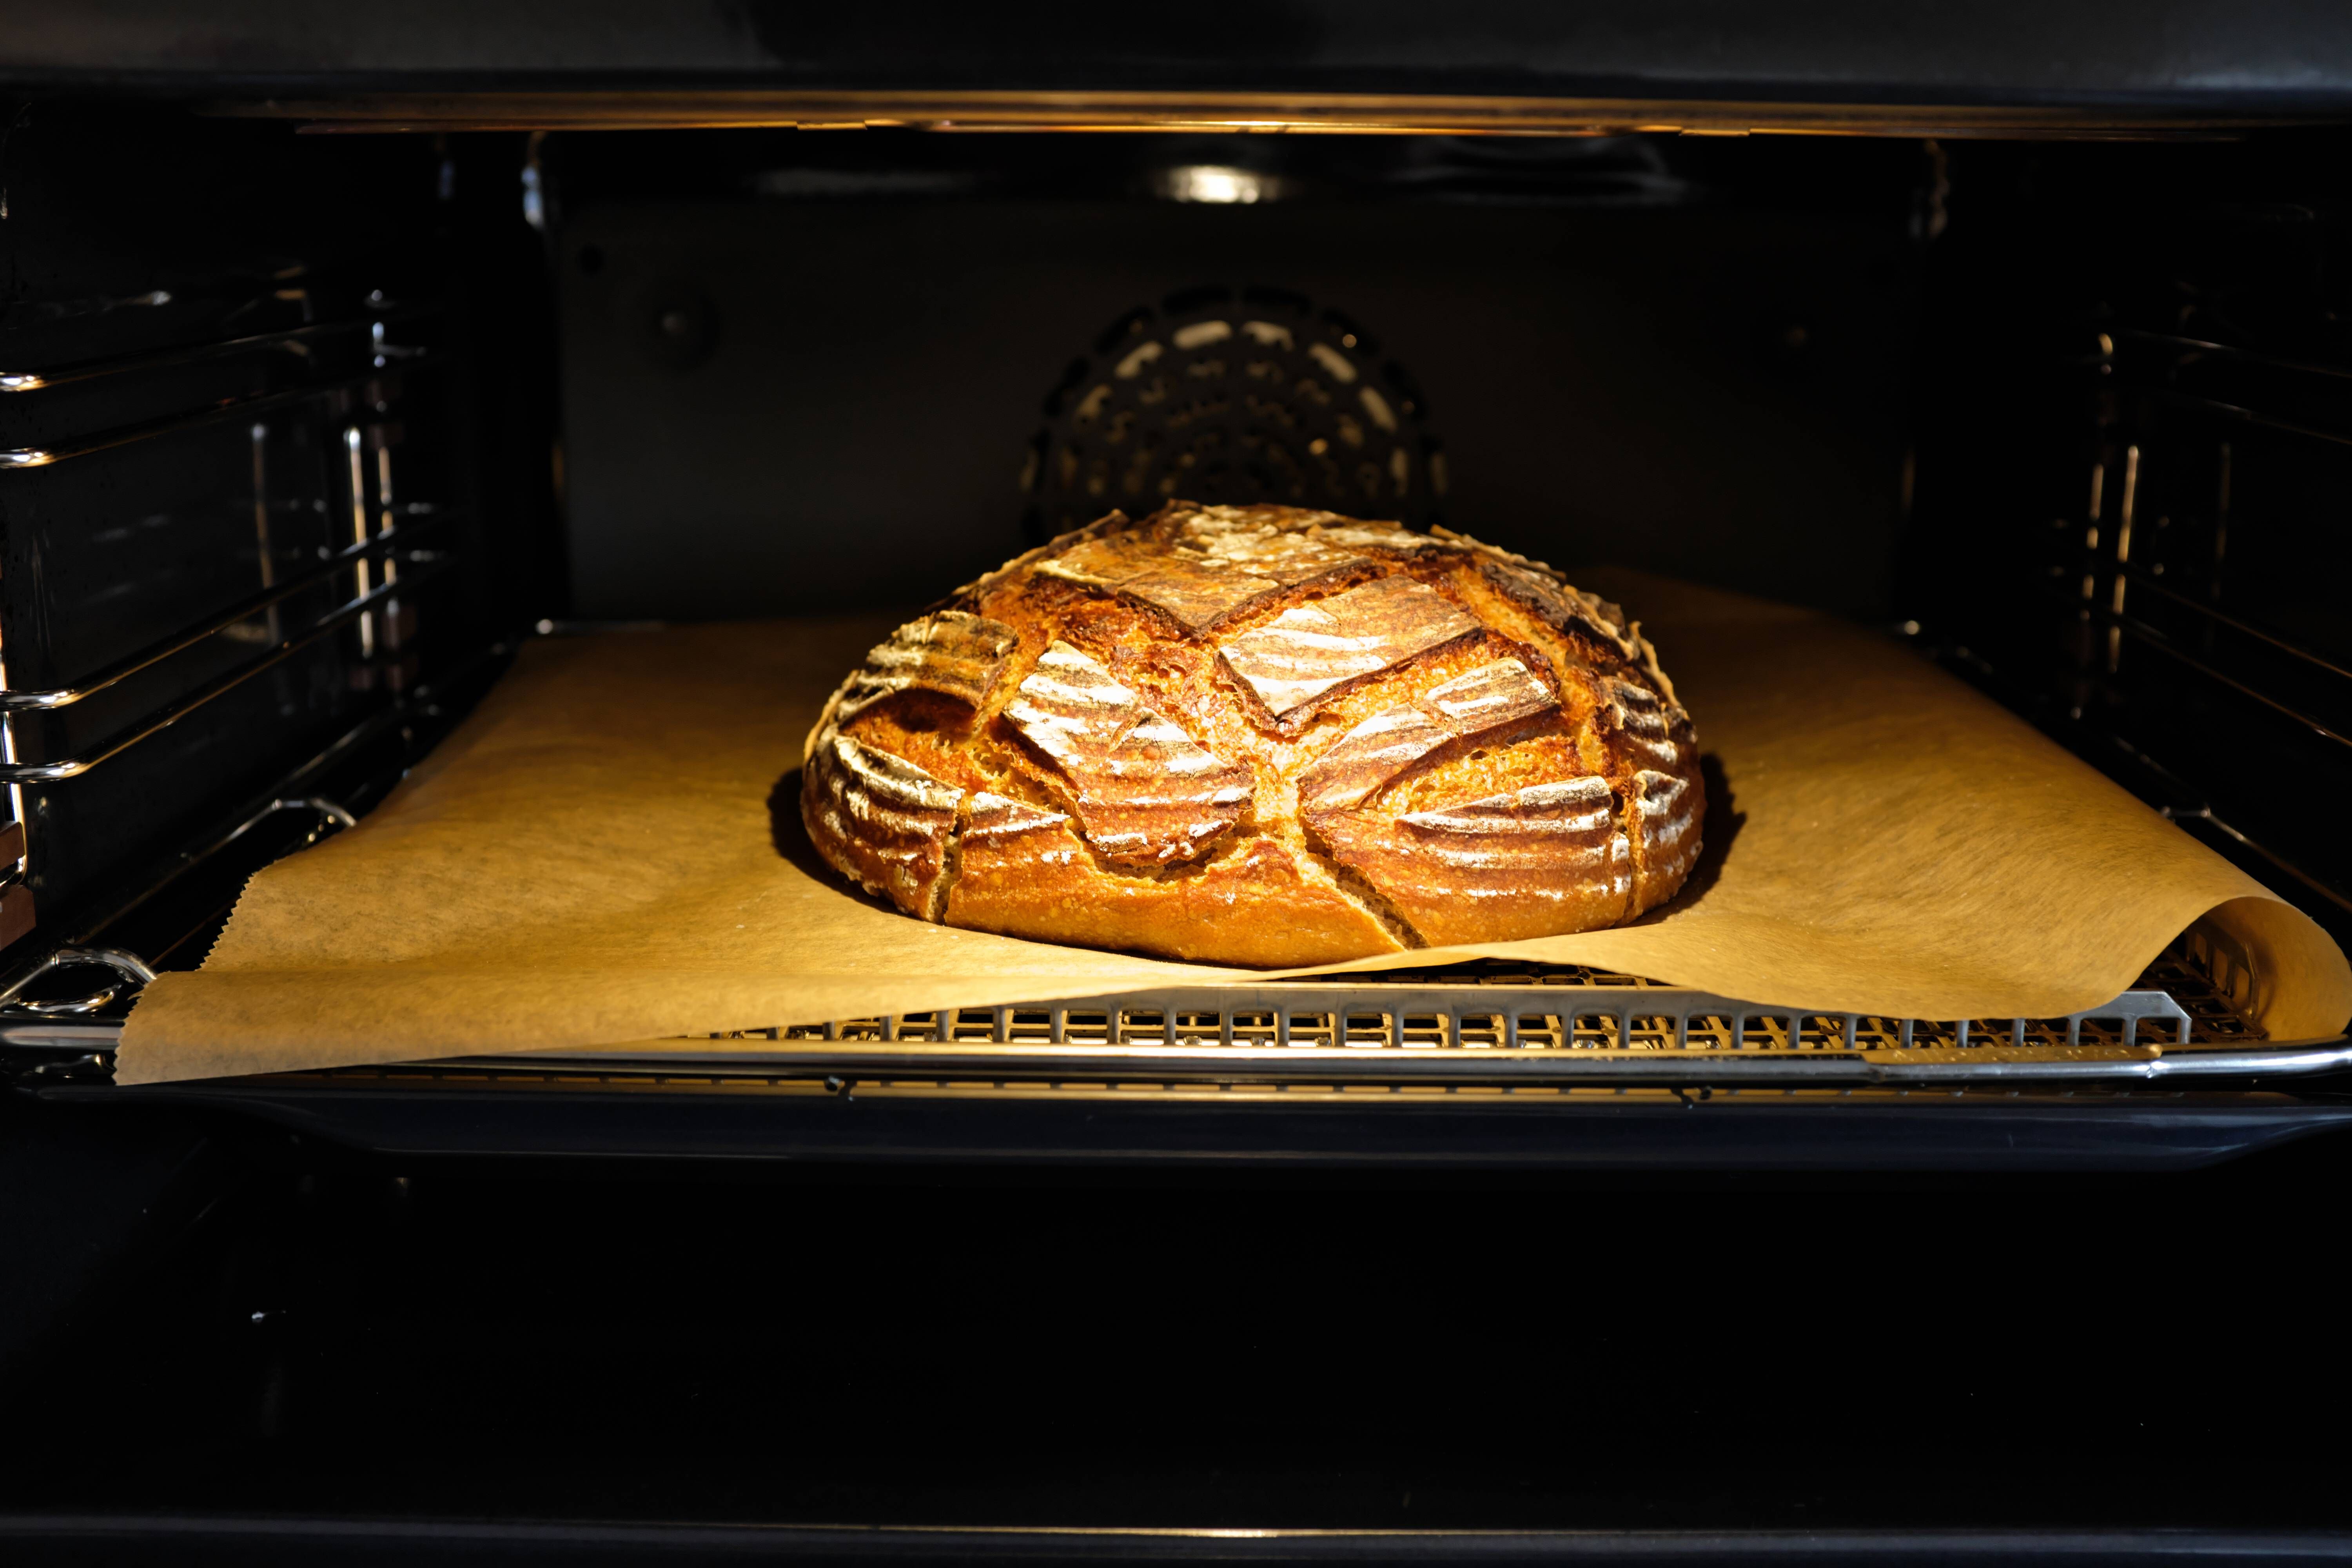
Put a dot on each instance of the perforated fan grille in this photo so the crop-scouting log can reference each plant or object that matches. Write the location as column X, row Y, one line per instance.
column 1233, row 396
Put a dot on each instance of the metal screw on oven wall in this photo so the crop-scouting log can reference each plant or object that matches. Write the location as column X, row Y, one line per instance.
column 680, row 326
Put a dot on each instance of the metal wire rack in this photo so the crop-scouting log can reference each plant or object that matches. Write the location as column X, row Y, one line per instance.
column 1495, row 1005
column 287, row 579
column 1499, row 1022
column 2175, row 560
column 1488, row 1025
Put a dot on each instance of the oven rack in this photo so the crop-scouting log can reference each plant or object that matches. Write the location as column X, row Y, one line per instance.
column 104, row 938
column 1485, row 1023
column 2170, row 435
column 382, row 560
column 1494, row 1022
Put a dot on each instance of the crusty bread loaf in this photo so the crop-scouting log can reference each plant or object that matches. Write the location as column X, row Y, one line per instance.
column 1261, row 735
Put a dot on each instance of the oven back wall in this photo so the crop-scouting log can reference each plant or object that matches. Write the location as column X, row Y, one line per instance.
column 840, row 409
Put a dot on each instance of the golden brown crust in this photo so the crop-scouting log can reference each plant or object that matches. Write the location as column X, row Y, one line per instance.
column 1534, row 862
column 1492, row 699
column 881, row 820
column 1312, row 650
column 952, row 653
column 1261, row 735
column 1144, row 790
column 1025, row 873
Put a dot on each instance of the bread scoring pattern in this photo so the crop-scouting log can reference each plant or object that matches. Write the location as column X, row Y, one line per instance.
column 1490, row 698
column 1536, row 861
column 1261, row 735
column 890, row 820
column 1204, row 579
column 1310, row 650
column 952, row 653
column 1144, row 792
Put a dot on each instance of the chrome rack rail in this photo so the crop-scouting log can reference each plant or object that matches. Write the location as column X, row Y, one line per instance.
column 376, row 547
column 296, row 340
column 17, row 458
column 1486, row 1025
column 130, row 970
column 33, row 1025
column 389, row 543
column 2172, row 418
column 346, row 379
column 427, row 566
column 1555, row 1027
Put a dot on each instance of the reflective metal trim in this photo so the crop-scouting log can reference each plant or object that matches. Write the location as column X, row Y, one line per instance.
column 17, row 458
column 74, row 767
column 194, row 353
column 1124, row 110
column 130, row 969
column 244, row 610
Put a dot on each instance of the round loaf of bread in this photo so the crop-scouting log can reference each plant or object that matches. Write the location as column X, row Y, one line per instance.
column 1261, row 735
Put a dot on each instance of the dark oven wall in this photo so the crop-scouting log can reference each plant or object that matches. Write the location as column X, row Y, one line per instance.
column 1682, row 355
column 275, row 425
column 2072, row 408
column 2136, row 416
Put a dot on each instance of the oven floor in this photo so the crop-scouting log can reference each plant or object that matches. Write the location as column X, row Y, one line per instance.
column 210, row 1321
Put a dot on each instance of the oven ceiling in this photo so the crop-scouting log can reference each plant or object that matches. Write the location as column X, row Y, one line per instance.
column 1992, row 67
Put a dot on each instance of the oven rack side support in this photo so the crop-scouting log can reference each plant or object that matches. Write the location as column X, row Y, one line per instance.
column 93, row 942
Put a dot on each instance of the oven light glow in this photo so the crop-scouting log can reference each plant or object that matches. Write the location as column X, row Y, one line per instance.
column 1214, row 183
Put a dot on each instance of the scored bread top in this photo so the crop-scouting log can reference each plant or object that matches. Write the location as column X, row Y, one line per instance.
column 1261, row 735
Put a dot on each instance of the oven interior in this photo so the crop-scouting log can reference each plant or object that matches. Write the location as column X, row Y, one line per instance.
column 300, row 436
column 305, row 432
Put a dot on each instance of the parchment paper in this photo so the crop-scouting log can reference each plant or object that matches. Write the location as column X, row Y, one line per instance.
column 609, row 850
